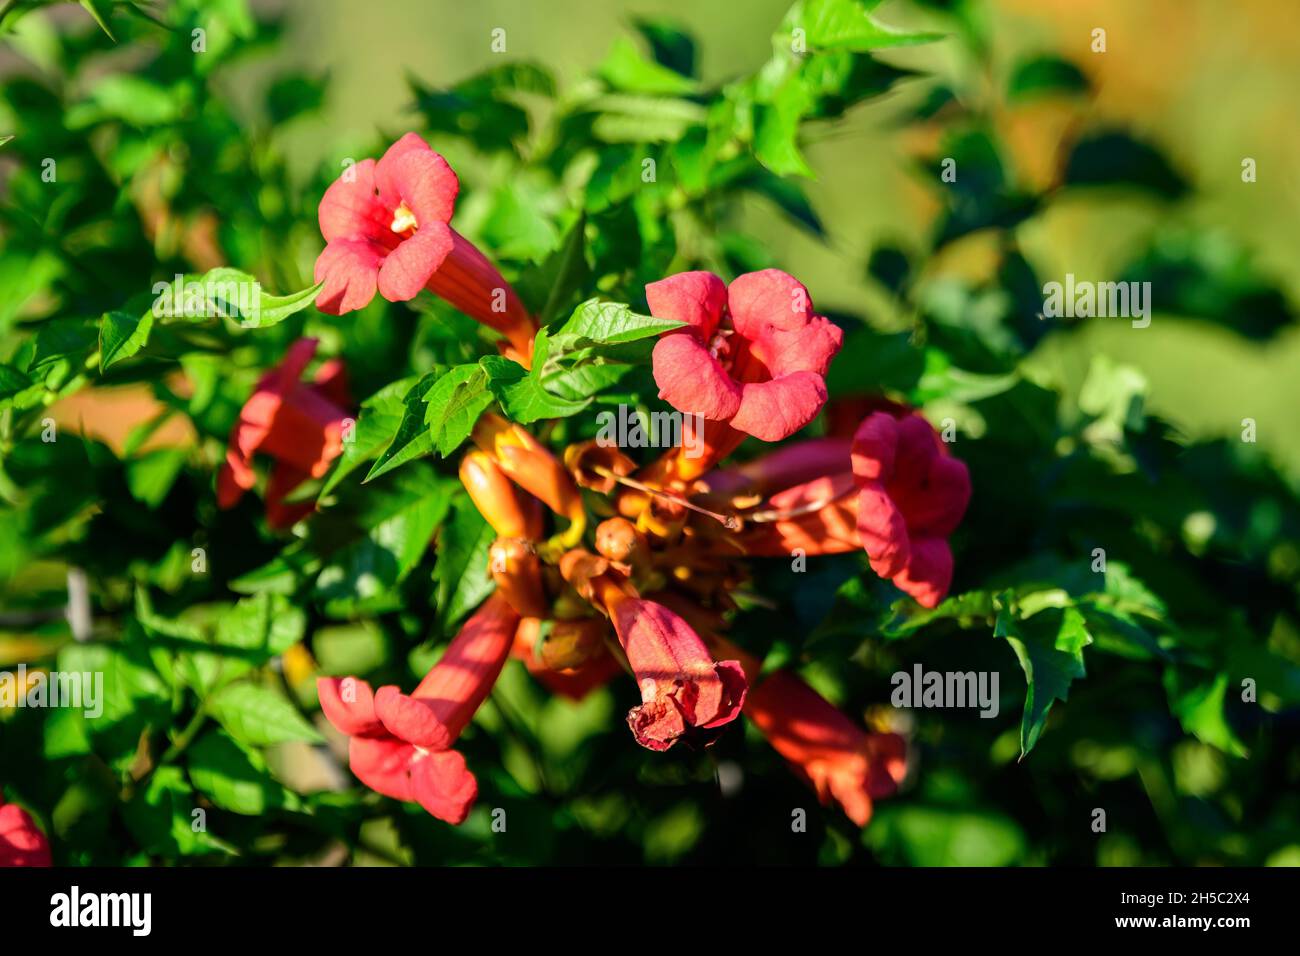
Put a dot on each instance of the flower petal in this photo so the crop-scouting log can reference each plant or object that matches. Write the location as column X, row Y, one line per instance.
column 443, row 785
column 350, row 270
column 770, row 298
column 412, row 172
column 284, row 479
column 696, row 298
column 928, row 572
column 777, row 409
column 21, row 842
column 410, row 719
column 936, row 506
column 809, row 348
column 691, row 380
column 350, row 209
column 874, row 446
column 883, row 530
column 348, row 704
column 383, row 765
column 407, row 268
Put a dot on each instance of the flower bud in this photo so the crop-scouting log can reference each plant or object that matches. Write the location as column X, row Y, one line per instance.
column 518, row 574
column 510, row 513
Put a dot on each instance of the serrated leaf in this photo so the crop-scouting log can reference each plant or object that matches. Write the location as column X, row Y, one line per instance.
column 611, row 323
column 121, row 335
column 259, row 717
column 1049, row 646
column 274, row 309
column 521, row 394
column 413, row 438
column 377, row 425
column 455, row 402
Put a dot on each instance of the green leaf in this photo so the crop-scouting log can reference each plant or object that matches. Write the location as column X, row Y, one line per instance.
column 847, row 25
column 521, row 394
column 259, row 717
column 92, row 7
column 626, row 69
column 161, row 817
column 611, row 323
column 461, row 572
column 235, row 778
column 1197, row 701
column 413, row 438
column 553, row 284
column 776, row 132
column 274, row 309
column 1045, row 76
column 1049, row 646
column 150, row 476
column 455, row 402
column 12, row 382
column 267, row 624
column 121, row 335
column 376, row 426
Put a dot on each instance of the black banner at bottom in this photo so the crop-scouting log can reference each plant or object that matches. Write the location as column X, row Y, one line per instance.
column 337, row 905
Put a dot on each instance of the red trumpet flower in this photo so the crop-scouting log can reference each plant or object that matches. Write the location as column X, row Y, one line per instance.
column 894, row 490
column 298, row 424
column 400, row 744
column 21, row 841
column 751, row 354
column 386, row 228
column 839, row 759
column 912, row 495
column 684, row 691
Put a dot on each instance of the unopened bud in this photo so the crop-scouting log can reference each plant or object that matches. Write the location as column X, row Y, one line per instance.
column 518, row 575
column 619, row 540
column 510, row 513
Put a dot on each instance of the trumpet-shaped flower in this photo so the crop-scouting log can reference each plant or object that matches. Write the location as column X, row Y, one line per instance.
column 387, row 228
column 841, row 761
column 751, row 354
column 912, row 495
column 298, row 424
column 400, row 744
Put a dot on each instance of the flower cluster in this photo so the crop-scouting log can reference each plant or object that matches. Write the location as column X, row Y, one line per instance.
column 649, row 590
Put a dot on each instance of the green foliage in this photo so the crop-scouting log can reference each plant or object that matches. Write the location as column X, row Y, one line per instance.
column 1122, row 677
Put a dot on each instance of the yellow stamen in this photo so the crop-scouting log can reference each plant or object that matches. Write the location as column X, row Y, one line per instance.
column 403, row 219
